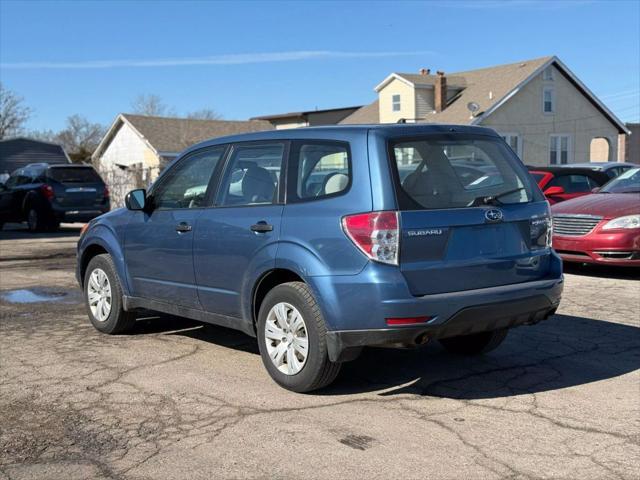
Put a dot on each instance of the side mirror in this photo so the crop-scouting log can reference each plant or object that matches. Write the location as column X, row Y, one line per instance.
column 554, row 191
column 595, row 189
column 136, row 199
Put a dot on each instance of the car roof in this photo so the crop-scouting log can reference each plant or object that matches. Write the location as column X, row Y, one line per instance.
column 563, row 169
column 74, row 165
column 345, row 131
column 602, row 166
column 590, row 172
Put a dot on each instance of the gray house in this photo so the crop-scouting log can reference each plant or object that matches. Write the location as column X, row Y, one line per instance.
column 18, row 152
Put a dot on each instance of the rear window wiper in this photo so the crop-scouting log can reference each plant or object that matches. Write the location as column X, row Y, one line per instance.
column 493, row 199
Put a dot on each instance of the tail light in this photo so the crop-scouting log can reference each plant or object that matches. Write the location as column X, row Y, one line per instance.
column 47, row 191
column 106, row 193
column 376, row 234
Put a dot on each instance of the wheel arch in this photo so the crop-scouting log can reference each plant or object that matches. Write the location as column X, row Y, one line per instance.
column 101, row 240
column 265, row 283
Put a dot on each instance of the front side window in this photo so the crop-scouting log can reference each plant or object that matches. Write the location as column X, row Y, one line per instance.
column 186, row 185
column 548, row 100
column 395, row 103
column 252, row 175
column 454, row 171
column 559, row 149
column 321, row 169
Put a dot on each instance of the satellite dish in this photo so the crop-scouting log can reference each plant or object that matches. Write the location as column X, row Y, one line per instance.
column 473, row 107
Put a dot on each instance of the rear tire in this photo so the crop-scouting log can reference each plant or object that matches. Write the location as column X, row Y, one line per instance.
column 35, row 220
column 310, row 370
column 475, row 344
column 103, row 297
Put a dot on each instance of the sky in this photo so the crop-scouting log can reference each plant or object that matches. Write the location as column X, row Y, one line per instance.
column 247, row 59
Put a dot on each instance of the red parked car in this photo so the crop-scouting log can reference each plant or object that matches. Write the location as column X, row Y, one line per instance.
column 601, row 228
column 564, row 183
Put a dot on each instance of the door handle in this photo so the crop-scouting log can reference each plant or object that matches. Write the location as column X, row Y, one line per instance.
column 261, row 227
column 183, row 227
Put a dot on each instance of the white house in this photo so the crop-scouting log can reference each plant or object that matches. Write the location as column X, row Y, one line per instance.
column 136, row 147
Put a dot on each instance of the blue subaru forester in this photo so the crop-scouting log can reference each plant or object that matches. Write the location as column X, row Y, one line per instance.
column 321, row 241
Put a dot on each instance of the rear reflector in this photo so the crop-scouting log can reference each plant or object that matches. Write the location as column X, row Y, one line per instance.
column 376, row 234
column 407, row 320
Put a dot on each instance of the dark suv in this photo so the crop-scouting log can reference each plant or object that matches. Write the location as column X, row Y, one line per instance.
column 320, row 241
column 44, row 195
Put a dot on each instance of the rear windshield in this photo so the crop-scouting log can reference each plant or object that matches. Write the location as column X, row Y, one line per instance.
column 74, row 175
column 628, row 182
column 455, row 171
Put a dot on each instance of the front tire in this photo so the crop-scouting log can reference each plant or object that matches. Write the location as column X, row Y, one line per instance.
column 292, row 339
column 475, row 344
column 103, row 297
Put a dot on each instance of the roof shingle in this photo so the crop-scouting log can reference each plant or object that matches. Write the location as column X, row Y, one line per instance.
column 498, row 80
column 172, row 135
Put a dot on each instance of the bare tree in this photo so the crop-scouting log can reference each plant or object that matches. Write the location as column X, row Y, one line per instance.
column 205, row 114
column 151, row 105
column 80, row 138
column 13, row 113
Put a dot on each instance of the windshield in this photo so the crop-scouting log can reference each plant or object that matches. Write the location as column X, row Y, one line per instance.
column 454, row 171
column 74, row 175
column 627, row 182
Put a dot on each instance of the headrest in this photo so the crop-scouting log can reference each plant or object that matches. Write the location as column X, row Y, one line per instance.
column 336, row 182
column 258, row 185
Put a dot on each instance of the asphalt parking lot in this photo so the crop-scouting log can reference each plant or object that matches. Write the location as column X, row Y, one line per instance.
column 178, row 399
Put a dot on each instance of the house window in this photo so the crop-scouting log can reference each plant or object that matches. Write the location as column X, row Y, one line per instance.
column 395, row 103
column 547, row 75
column 559, row 149
column 514, row 141
column 548, row 100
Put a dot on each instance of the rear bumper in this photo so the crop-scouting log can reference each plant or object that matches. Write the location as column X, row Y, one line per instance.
column 618, row 248
column 77, row 215
column 356, row 307
column 345, row 345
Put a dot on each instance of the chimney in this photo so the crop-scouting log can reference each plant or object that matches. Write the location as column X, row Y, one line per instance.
column 425, row 71
column 440, row 92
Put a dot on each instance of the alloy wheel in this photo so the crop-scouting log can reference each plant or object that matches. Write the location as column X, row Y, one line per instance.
column 99, row 295
column 285, row 335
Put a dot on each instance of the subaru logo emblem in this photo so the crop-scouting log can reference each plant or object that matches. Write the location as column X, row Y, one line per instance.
column 493, row 215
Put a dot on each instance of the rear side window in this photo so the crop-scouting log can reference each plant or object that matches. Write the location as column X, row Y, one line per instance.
column 319, row 170
column 252, row 175
column 537, row 176
column 74, row 175
column 455, row 171
column 573, row 183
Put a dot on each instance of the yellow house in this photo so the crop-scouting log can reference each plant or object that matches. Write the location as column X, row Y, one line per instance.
column 539, row 106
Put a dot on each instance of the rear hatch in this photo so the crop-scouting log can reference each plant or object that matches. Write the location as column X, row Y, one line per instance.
column 77, row 186
column 470, row 214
